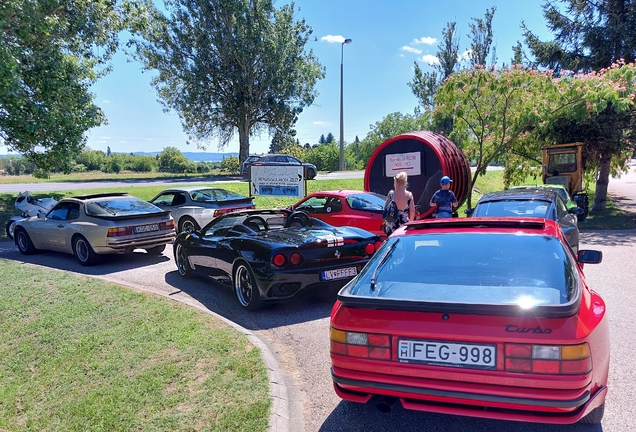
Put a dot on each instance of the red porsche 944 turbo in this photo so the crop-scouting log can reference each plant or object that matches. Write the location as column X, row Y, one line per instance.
column 478, row 317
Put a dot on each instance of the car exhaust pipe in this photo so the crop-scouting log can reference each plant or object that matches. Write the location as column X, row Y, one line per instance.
column 385, row 404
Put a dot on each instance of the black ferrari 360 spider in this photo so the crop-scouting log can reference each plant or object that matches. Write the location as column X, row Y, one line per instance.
column 269, row 255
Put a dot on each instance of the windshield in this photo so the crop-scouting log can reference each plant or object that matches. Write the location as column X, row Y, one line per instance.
column 501, row 269
column 366, row 201
column 512, row 208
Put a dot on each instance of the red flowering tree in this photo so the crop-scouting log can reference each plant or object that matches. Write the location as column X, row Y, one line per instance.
column 507, row 115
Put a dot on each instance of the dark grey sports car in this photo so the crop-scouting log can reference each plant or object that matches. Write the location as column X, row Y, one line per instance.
column 267, row 255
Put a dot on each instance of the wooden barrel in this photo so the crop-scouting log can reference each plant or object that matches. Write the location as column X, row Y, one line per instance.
column 426, row 157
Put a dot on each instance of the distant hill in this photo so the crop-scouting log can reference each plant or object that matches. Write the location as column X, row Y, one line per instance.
column 195, row 156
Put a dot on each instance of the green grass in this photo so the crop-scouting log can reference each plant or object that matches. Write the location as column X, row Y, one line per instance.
column 79, row 353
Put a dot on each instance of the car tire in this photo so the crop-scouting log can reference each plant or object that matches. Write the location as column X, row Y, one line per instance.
column 24, row 242
column 10, row 229
column 157, row 250
column 83, row 251
column 182, row 261
column 245, row 287
column 186, row 223
column 595, row 416
column 311, row 174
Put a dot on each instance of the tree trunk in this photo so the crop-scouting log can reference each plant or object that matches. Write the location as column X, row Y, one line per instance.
column 600, row 198
column 244, row 140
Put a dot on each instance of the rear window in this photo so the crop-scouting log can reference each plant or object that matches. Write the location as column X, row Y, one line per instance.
column 120, row 206
column 494, row 269
column 211, row 194
column 512, row 208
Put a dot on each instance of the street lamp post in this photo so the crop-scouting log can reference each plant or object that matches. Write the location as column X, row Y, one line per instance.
column 342, row 159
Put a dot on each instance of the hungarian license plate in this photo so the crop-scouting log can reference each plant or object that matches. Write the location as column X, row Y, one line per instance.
column 453, row 354
column 146, row 228
column 342, row 273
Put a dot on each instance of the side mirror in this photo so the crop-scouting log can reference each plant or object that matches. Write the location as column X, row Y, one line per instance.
column 576, row 211
column 469, row 212
column 41, row 215
column 590, row 256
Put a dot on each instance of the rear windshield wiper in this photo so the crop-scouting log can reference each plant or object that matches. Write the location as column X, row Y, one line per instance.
column 382, row 261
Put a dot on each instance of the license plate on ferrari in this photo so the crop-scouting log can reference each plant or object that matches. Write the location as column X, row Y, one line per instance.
column 342, row 273
column 146, row 228
column 453, row 354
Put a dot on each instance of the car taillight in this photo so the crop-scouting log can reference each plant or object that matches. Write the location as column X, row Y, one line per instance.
column 548, row 359
column 119, row 232
column 279, row 260
column 296, row 258
column 363, row 345
column 369, row 248
column 219, row 212
column 377, row 245
column 167, row 225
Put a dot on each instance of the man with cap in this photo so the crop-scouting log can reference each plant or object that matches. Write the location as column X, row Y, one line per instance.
column 444, row 200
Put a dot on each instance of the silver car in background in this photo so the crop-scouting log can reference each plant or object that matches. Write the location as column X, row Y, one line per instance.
column 192, row 207
column 91, row 225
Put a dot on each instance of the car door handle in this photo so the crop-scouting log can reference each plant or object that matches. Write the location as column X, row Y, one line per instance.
column 60, row 225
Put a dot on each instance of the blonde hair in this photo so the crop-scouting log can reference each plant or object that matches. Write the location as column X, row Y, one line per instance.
column 400, row 178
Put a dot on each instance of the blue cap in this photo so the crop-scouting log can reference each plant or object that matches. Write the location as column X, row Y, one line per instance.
column 445, row 180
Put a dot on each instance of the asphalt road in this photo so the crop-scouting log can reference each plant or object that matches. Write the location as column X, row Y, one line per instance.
column 297, row 331
column 63, row 186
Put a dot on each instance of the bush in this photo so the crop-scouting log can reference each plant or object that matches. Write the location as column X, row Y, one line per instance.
column 230, row 164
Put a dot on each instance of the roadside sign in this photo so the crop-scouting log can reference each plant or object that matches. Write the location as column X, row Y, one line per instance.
column 279, row 180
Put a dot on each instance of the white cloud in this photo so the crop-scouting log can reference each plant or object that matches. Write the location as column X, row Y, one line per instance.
column 425, row 40
column 321, row 123
column 411, row 49
column 430, row 59
column 105, row 101
column 333, row 39
column 465, row 55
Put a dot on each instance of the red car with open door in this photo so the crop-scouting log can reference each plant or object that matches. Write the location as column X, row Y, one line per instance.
column 479, row 317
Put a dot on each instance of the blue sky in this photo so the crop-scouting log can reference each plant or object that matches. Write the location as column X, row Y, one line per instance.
column 388, row 37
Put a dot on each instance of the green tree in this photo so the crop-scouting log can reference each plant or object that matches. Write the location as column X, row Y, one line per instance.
column 228, row 66
column 93, row 160
column 330, row 138
column 504, row 115
column 424, row 84
column 230, row 164
column 326, row 157
column 390, row 126
column 166, row 155
column 517, row 54
column 481, row 39
column 591, row 36
column 51, row 52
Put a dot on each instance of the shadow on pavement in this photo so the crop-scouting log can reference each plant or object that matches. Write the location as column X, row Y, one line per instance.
column 607, row 238
column 220, row 299
column 367, row 418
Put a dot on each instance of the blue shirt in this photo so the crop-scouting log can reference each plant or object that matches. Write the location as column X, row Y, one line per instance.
column 444, row 198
